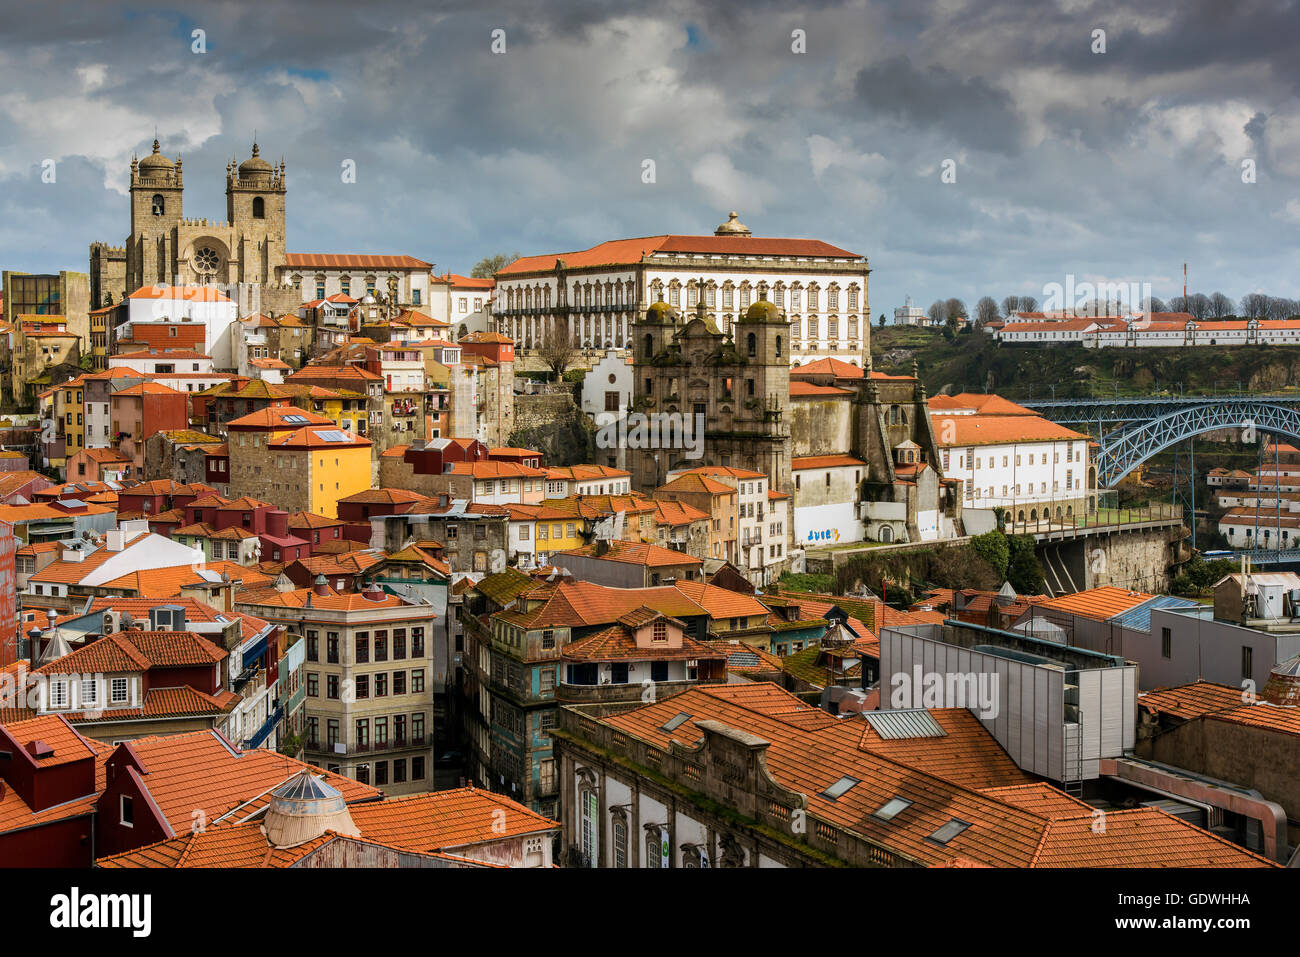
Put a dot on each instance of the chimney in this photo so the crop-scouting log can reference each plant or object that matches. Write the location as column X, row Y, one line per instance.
column 374, row 592
column 320, row 586
column 277, row 523
column 114, row 540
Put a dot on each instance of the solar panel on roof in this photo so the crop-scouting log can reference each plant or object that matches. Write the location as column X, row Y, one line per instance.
column 331, row 435
column 893, row 725
column 673, row 723
column 296, row 419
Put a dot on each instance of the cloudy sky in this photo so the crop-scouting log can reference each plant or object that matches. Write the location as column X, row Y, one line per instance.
column 1110, row 166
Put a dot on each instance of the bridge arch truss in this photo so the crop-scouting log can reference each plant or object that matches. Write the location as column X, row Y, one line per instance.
column 1125, row 449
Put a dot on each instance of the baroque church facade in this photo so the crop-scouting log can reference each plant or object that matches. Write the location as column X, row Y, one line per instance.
column 167, row 249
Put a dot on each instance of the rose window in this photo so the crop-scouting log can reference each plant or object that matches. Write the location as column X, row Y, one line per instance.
column 206, row 259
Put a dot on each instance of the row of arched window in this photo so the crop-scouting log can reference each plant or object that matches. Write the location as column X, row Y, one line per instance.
column 796, row 296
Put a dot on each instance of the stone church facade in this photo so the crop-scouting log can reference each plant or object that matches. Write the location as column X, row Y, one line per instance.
column 872, row 427
column 167, row 249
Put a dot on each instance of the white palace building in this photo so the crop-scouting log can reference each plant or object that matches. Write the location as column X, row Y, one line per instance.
column 597, row 293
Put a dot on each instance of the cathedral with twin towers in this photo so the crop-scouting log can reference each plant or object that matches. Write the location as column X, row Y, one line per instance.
column 165, row 248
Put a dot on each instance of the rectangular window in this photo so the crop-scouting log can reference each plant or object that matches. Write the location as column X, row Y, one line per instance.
column 332, row 687
column 399, row 682
column 1247, row 661
column 126, row 811
column 1166, row 643
column 362, row 685
column 417, row 681
column 313, row 684
column 117, row 691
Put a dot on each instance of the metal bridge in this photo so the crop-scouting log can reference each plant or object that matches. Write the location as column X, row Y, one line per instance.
column 1151, row 425
column 1269, row 556
column 1137, row 408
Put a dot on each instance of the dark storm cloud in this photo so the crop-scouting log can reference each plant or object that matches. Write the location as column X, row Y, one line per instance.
column 1067, row 160
column 967, row 109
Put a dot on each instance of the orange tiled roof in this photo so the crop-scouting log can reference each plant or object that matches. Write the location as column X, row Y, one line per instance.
column 952, row 431
column 809, row 750
column 352, row 261
column 634, row 553
column 801, row 389
column 201, row 771
column 617, row 643
column 1098, row 604
column 442, row 820
column 722, row 602
column 694, row 482
column 629, row 251
column 824, row 462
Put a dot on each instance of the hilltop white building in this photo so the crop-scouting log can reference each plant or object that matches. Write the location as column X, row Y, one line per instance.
column 1011, row 458
column 601, row 291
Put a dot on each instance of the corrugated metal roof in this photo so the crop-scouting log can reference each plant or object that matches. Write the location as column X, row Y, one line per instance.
column 1138, row 618
column 894, row 725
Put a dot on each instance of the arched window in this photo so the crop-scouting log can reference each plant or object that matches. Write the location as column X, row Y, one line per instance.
column 159, row 204
column 259, row 207
column 618, row 830
column 587, row 811
column 654, row 849
column 751, row 343
column 778, row 347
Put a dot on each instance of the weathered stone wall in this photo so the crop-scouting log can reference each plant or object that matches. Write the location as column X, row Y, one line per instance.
column 821, row 426
column 554, row 425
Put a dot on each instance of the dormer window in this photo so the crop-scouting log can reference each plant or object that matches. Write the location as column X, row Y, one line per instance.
column 118, row 691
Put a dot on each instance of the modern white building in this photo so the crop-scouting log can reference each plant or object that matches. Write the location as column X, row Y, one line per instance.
column 596, row 294
column 171, row 306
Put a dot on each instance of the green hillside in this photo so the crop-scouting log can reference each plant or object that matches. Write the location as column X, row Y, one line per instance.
column 973, row 362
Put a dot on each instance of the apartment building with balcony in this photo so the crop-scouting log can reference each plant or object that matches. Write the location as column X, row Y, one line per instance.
column 516, row 631
column 368, row 694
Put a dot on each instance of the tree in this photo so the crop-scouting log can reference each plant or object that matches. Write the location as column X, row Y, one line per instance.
column 992, row 548
column 1023, row 571
column 556, row 347
column 1221, row 306
column 986, row 311
column 954, row 309
column 1281, row 308
column 937, row 312
column 882, row 320
column 1010, row 304
column 1198, row 304
column 1028, row 304
column 1156, row 305
column 489, row 266
column 1255, row 305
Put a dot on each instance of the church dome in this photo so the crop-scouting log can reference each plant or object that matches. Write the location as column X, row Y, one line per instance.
column 732, row 227
column 156, row 161
column 255, row 166
column 763, row 311
column 659, row 312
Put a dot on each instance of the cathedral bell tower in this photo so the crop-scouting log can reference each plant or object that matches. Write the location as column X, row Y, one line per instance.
column 156, row 206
